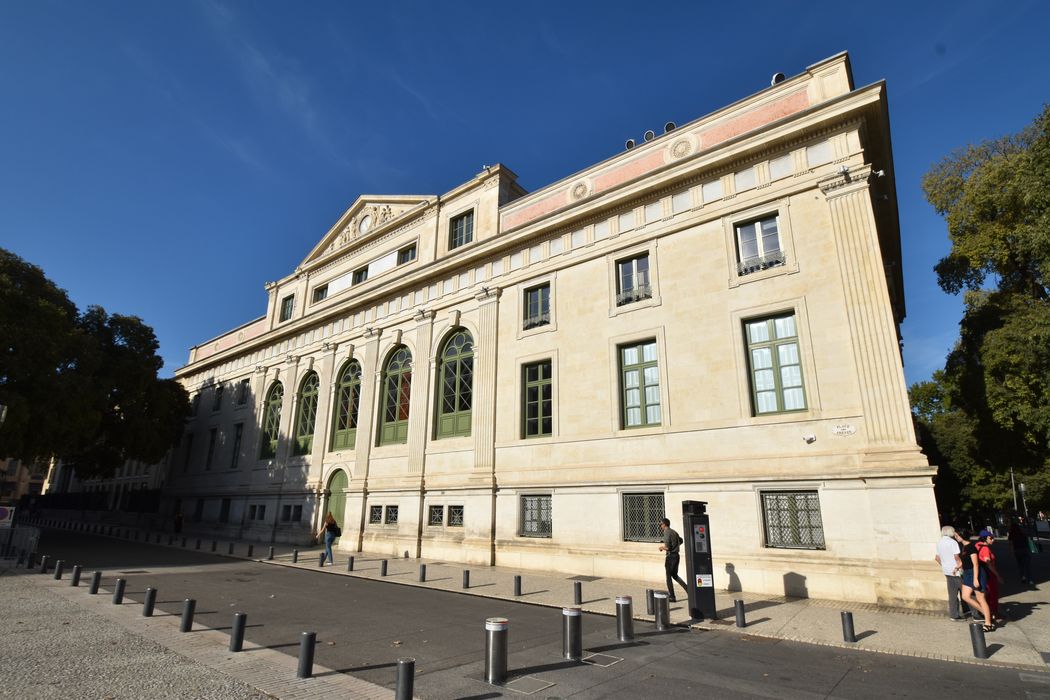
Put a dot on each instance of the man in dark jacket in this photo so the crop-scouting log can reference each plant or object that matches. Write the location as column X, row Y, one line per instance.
column 672, row 541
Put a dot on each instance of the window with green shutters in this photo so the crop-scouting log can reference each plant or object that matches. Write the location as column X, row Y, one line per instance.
column 457, row 379
column 537, row 409
column 306, row 415
column 774, row 365
column 397, row 395
column 271, row 425
column 347, row 402
column 640, row 382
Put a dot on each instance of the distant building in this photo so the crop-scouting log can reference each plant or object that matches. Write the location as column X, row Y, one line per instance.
column 18, row 478
column 534, row 379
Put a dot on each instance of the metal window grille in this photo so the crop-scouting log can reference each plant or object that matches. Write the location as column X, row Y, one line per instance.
column 391, row 515
column 793, row 519
column 536, row 518
column 437, row 515
column 641, row 516
column 455, row 516
column 375, row 514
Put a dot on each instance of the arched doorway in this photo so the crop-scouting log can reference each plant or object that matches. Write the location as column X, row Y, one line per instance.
column 337, row 497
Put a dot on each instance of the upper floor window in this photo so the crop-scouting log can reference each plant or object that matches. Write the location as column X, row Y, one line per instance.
column 271, row 424
column 640, row 382
column 306, row 416
column 287, row 305
column 397, row 396
column 406, row 254
column 216, row 402
column 457, row 379
column 320, row 293
column 775, row 365
column 461, row 230
column 360, row 275
column 537, row 399
column 758, row 245
column 537, row 308
column 632, row 280
column 195, row 404
column 348, row 399
column 242, row 392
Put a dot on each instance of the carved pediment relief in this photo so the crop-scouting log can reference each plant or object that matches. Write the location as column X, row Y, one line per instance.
column 366, row 216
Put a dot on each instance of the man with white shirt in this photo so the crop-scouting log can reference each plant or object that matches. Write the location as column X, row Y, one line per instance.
column 951, row 563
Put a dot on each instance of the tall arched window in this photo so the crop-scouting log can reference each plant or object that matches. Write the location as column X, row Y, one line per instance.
column 347, row 400
column 306, row 416
column 397, row 393
column 271, row 423
column 456, row 375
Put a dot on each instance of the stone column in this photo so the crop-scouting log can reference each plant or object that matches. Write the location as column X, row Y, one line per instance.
column 366, row 422
column 326, row 369
column 484, row 406
column 419, row 419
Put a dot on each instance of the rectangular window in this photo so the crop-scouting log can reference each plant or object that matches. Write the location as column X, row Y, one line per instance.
column 360, row 275
column 436, row 515
column 251, row 512
column 286, row 514
column 320, row 293
column 391, row 515
column 455, row 516
column 461, row 230
column 213, row 435
column 297, row 514
column 758, row 245
column 640, row 384
column 641, row 516
column 287, row 305
column 189, row 452
column 261, row 513
column 224, row 511
column 238, row 433
column 632, row 280
column 216, row 403
column 537, row 310
column 537, row 386
column 242, row 392
column 406, row 254
column 775, row 365
column 375, row 514
column 792, row 519
column 536, row 518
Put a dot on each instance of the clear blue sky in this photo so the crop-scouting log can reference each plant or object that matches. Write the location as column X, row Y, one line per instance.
column 166, row 159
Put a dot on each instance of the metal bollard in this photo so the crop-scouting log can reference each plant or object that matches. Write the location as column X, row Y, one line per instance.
column 980, row 651
column 30, row 558
column 466, row 578
column 648, row 601
column 214, row 545
column 350, row 564
column 423, row 572
column 118, row 591
column 198, row 543
column 517, row 585
column 571, row 634
column 306, row 655
column 96, row 581
column 74, row 580
column 624, row 618
column 270, row 555
column 382, row 568
column 295, row 556
column 59, row 566
column 847, row 628
column 240, row 621
column 320, row 559
column 577, row 593
column 406, row 676
column 251, row 550
column 189, row 606
column 44, row 560
column 496, row 650
column 151, row 600
column 660, row 610
column 229, row 550
column 741, row 621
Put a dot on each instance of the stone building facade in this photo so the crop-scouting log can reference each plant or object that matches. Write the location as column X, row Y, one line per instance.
column 533, row 379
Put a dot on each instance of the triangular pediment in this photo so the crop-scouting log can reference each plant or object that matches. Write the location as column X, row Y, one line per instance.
column 367, row 216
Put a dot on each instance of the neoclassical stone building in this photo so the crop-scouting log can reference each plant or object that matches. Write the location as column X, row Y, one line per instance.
column 533, row 379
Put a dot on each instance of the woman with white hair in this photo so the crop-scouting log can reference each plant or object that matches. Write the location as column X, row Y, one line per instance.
column 948, row 556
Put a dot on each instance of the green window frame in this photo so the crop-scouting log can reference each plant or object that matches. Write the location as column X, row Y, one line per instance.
column 641, row 516
column 306, row 416
column 287, row 306
column 456, row 377
column 536, row 516
column 238, row 434
column 640, row 385
column 537, row 307
column 271, row 425
column 397, row 397
column 774, row 365
column 537, row 399
column 461, row 230
column 347, row 405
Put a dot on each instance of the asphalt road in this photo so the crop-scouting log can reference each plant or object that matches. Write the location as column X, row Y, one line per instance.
column 364, row 626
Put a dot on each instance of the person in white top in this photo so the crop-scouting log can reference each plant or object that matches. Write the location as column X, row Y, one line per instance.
column 948, row 557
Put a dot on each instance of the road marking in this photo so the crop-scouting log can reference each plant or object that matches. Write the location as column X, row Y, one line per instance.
column 1035, row 678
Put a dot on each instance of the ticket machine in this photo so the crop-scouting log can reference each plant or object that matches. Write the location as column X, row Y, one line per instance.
column 699, row 569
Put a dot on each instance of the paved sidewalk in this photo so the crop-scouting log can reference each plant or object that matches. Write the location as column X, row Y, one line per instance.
column 1023, row 641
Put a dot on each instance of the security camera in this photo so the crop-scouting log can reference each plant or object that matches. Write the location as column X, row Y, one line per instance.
column 809, row 439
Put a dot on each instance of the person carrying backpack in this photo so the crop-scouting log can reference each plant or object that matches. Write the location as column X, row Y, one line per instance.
column 330, row 529
column 672, row 541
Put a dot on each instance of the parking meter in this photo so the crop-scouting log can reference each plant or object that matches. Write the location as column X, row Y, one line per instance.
column 700, row 570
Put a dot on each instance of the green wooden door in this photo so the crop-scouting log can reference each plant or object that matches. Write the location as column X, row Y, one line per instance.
column 337, row 497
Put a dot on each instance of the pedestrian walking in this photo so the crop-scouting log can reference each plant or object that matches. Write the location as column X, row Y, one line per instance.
column 329, row 530
column 1019, row 545
column 974, row 582
column 672, row 541
column 949, row 557
column 987, row 557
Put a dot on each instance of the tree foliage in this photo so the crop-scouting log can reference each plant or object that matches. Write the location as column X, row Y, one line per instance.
column 81, row 387
column 989, row 410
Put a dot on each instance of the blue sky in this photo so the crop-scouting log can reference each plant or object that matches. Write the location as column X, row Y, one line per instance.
column 166, row 159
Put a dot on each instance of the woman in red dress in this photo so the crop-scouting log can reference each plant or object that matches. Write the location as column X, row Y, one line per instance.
column 987, row 558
